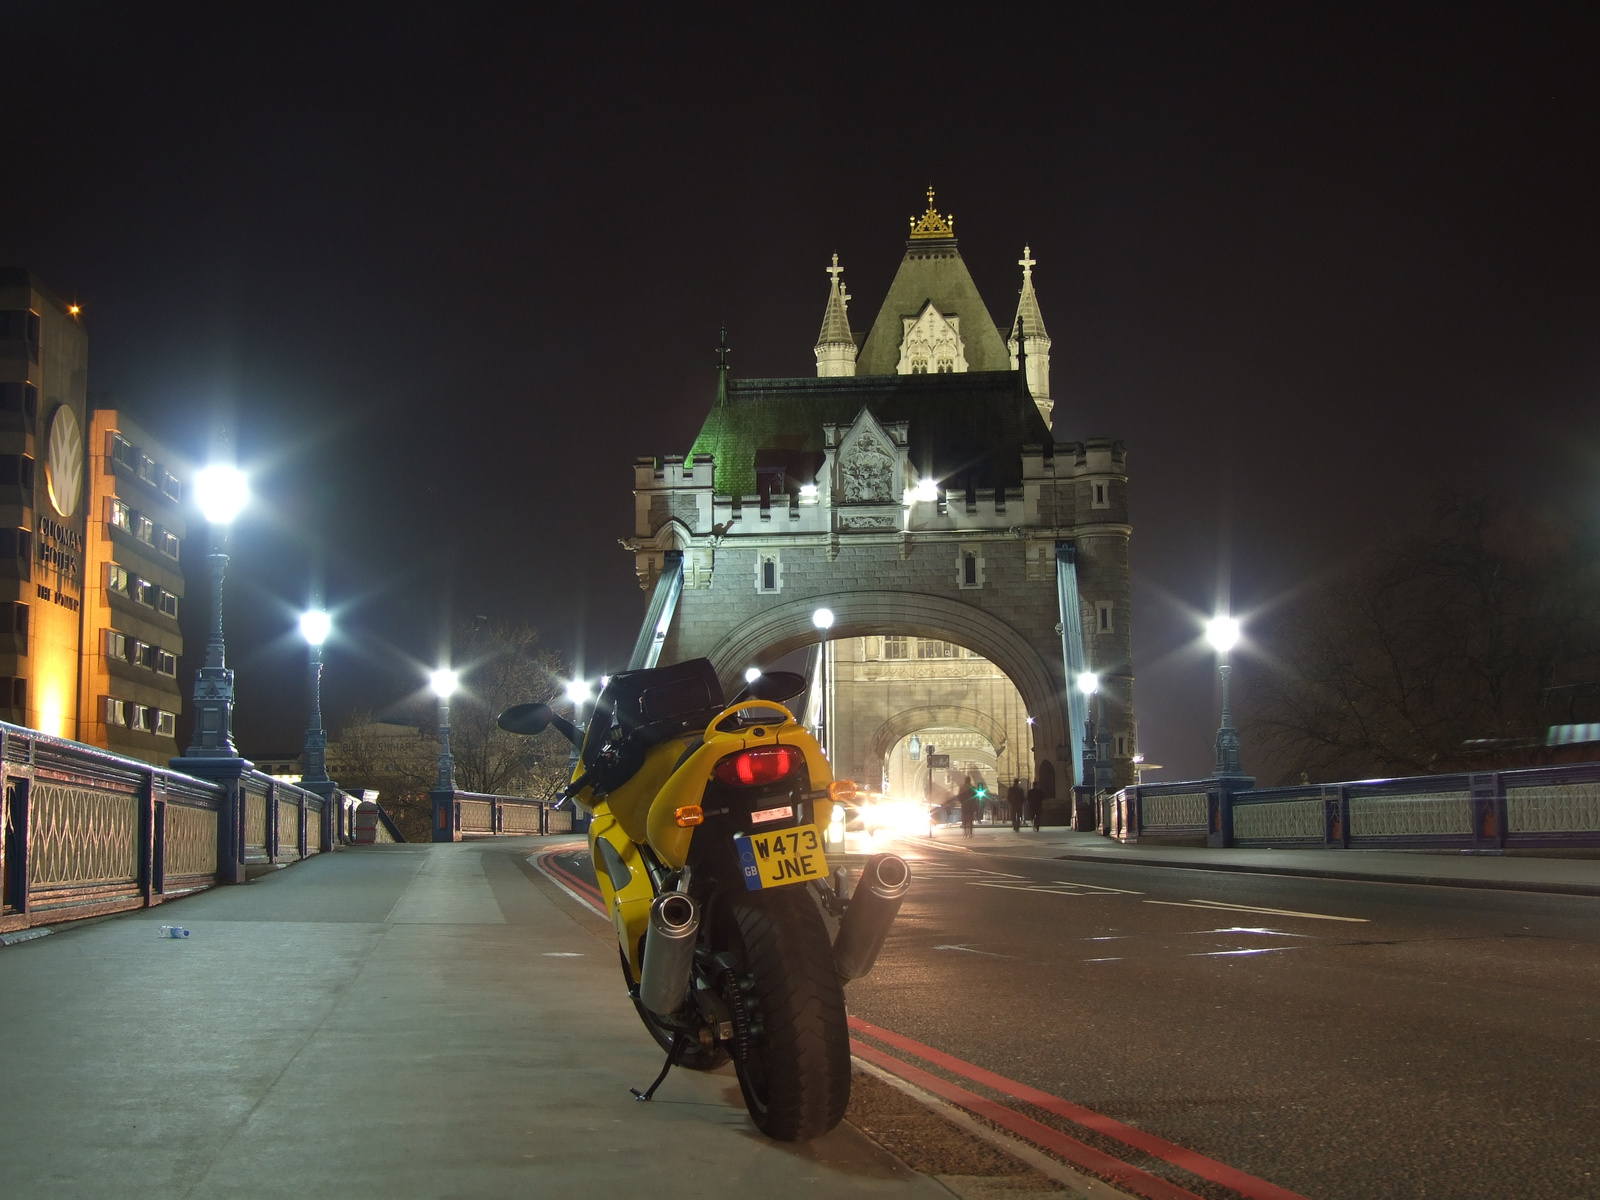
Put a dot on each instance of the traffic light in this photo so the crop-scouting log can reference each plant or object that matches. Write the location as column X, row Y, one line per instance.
column 982, row 791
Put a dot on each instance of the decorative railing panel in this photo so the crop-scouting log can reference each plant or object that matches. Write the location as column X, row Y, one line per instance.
column 1181, row 811
column 191, row 841
column 1430, row 814
column 255, row 822
column 477, row 816
column 81, row 836
column 1279, row 820
column 288, row 828
column 519, row 818
column 1554, row 808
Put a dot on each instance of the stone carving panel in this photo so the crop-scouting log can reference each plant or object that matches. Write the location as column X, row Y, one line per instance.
column 866, row 473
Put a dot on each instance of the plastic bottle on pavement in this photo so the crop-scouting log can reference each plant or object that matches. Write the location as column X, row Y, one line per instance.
column 174, row 931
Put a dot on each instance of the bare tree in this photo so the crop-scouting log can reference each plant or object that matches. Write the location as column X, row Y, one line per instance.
column 1443, row 650
column 503, row 664
column 399, row 762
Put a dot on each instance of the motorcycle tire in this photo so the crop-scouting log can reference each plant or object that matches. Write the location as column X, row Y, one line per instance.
column 695, row 1056
column 795, row 1074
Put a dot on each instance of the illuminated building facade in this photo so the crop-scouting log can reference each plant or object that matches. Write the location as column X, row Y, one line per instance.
column 44, row 361
column 129, row 699
column 90, row 535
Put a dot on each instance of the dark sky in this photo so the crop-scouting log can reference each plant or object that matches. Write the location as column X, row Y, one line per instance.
column 446, row 270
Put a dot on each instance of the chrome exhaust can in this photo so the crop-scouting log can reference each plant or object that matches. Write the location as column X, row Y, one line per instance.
column 668, row 952
column 872, row 909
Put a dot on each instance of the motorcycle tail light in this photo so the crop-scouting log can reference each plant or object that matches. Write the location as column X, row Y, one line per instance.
column 765, row 764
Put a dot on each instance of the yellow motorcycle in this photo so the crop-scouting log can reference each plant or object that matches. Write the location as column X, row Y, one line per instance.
column 707, row 836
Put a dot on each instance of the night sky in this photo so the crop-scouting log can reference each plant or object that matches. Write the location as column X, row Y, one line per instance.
column 442, row 272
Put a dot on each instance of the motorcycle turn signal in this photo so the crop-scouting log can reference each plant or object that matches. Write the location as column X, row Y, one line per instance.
column 689, row 814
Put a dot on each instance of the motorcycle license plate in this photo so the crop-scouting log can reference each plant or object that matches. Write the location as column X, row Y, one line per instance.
column 781, row 857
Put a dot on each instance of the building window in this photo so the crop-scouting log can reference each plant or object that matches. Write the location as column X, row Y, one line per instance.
column 121, row 450
column 116, row 645
column 119, row 515
column 20, row 398
column 19, row 624
column 947, row 366
column 117, row 580
column 144, row 591
column 1122, row 745
column 171, row 488
column 895, row 646
column 19, row 694
column 167, row 603
column 166, row 663
column 166, row 724
column 17, row 469
column 147, row 469
column 22, row 325
column 167, row 543
column 933, row 648
column 1102, row 616
column 969, row 568
column 139, row 653
column 919, row 366
column 115, row 712
column 139, row 718
column 1100, row 495
column 769, row 571
column 144, row 529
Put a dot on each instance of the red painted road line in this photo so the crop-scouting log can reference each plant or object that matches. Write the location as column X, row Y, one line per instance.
column 1069, row 1148
column 549, row 866
column 1179, row 1156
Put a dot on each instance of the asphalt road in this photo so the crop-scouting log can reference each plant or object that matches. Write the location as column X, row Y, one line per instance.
column 1435, row 1042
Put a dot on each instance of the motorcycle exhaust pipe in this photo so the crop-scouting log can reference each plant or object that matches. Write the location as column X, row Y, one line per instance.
column 668, row 952
column 872, row 909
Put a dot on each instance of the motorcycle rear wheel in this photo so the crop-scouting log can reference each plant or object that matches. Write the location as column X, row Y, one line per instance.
column 795, row 1075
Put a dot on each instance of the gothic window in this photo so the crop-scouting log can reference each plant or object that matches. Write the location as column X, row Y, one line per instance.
column 1099, row 500
column 931, row 648
column 969, row 568
column 769, row 572
column 919, row 366
column 947, row 366
column 895, row 646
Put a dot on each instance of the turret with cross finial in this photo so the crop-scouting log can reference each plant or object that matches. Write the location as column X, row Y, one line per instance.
column 836, row 345
column 1029, row 343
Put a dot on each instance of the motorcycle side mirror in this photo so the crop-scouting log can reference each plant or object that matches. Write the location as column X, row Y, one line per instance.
column 776, row 686
column 527, row 719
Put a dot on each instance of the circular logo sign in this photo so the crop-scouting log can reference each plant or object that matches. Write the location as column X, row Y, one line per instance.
column 63, row 471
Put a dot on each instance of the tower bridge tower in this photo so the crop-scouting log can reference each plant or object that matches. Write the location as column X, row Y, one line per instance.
column 914, row 487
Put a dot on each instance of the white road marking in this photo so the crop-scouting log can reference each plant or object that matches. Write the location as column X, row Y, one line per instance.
column 1249, row 929
column 1275, row 912
column 1238, row 953
column 562, row 954
column 1102, row 960
column 1056, row 889
column 970, row 950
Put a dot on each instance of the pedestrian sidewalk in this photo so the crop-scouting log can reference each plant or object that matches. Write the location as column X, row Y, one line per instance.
column 1563, row 876
column 409, row 1021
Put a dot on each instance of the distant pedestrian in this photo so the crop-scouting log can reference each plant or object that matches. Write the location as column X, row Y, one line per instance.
column 1014, row 798
column 969, row 806
column 1035, row 806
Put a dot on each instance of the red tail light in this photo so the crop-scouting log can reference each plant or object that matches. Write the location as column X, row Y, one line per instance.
column 766, row 764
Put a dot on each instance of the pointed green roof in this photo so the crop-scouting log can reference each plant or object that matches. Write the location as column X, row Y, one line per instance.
column 1029, row 319
column 933, row 270
column 835, row 318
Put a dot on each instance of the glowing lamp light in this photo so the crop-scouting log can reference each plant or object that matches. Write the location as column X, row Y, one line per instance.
column 315, row 626
column 1088, row 683
column 73, row 310
column 808, row 491
column 443, row 682
column 927, row 490
column 579, row 691
column 1222, row 633
column 822, row 618
column 751, row 674
column 222, row 491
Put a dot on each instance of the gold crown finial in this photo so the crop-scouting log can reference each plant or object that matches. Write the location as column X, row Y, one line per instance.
column 931, row 224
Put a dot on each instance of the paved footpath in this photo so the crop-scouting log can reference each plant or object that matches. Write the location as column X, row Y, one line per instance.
column 395, row 1021
column 1509, row 872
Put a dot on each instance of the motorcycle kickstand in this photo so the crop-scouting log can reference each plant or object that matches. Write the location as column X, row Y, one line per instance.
column 678, row 1041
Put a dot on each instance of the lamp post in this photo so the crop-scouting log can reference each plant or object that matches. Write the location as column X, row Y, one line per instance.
column 222, row 492
column 315, row 625
column 442, row 683
column 1222, row 632
column 579, row 694
column 823, row 620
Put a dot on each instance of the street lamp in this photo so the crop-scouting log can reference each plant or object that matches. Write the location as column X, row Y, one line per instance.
column 443, row 683
column 579, row 692
column 1222, row 631
column 751, row 674
column 222, row 492
column 315, row 625
column 823, row 620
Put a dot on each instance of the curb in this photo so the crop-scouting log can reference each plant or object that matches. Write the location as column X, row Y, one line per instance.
column 1455, row 881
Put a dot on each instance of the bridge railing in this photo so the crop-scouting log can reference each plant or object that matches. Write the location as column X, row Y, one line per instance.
column 88, row 832
column 1528, row 808
column 478, row 814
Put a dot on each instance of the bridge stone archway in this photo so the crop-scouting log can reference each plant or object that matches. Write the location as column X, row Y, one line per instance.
column 903, row 724
column 782, row 627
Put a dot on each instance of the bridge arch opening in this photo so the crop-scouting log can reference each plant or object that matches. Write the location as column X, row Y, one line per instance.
column 904, row 665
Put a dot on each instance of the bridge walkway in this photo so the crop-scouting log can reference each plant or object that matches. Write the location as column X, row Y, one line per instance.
column 398, row 1021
